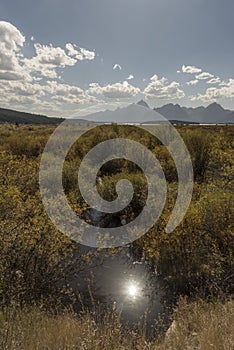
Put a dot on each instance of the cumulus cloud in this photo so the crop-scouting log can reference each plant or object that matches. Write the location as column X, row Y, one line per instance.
column 117, row 67
column 6, row 75
column 219, row 93
column 161, row 89
column 79, row 53
column 20, row 93
column 72, row 50
column 53, row 87
column 24, row 88
column 54, row 56
column 214, row 81
column 191, row 69
column 47, row 59
column 64, row 93
column 26, row 81
column 87, row 55
column 204, row 76
column 11, row 41
column 115, row 91
column 192, row 82
column 10, row 37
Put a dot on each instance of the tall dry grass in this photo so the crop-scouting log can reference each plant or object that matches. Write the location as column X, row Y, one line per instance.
column 197, row 325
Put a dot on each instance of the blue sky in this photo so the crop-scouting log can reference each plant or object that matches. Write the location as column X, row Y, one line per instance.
column 57, row 57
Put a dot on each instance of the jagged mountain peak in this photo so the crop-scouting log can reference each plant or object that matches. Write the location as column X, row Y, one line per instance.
column 215, row 106
column 143, row 104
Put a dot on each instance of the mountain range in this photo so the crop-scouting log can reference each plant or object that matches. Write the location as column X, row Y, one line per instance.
column 134, row 113
column 213, row 114
column 142, row 113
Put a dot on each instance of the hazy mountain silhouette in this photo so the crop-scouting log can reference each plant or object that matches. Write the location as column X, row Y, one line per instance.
column 142, row 113
column 143, row 104
column 213, row 114
column 134, row 113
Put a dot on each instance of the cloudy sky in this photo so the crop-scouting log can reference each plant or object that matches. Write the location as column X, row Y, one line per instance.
column 75, row 57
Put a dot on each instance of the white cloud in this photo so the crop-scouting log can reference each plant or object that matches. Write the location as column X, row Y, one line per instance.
column 18, row 93
column 64, row 93
column 214, row 81
column 71, row 49
column 223, row 83
column 47, row 60
column 191, row 69
column 161, row 89
column 115, row 91
column 54, row 56
column 10, row 37
column 24, row 82
column 6, row 75
column 192, row 82
column 55, row 88
column 25, row 93
column 117, row 67
column 79, row 53
column 130, row 77
column 87, row 55
column 23, row 88
column 214, row 94
column 11, row 41
column 23, row 100
column 204, row 76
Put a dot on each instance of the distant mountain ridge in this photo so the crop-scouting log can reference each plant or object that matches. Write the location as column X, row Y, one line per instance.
column 142, row 113
column 213, row 114
column 134, row 113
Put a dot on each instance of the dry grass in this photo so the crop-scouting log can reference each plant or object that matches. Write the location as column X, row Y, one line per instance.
column 201, row 326
column 196, row 326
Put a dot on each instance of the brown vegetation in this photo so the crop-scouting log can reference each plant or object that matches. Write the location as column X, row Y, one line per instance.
column 196, row 260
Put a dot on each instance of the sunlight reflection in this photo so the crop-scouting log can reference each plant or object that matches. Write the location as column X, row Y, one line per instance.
column 133, row 290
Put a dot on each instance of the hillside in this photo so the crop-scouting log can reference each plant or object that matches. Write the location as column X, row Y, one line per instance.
column 11, row 116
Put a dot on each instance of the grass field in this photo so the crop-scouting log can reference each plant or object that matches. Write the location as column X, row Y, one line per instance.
column 194, row 263
column 196, row 325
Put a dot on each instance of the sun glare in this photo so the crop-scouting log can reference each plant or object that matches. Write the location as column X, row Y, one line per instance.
column 133, row 290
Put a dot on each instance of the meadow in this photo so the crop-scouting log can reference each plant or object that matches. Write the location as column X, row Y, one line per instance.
column 194, row 263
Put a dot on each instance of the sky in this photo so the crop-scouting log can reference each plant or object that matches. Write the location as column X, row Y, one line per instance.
column 73, row 57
